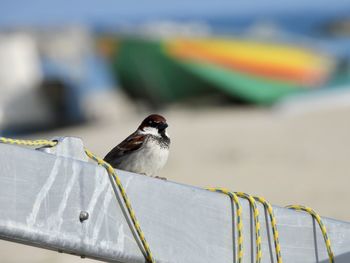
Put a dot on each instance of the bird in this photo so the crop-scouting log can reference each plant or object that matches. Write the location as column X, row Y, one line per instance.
column 145, row 151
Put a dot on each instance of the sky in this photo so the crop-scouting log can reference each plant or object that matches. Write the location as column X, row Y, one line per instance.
column 17, row 12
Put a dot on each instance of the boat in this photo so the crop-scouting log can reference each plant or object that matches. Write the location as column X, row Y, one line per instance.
column 260, row 72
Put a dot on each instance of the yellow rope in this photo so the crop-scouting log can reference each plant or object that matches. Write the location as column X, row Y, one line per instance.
column 233, row 196
column 256, row 222
column 28, row 142
column 110, row 171
column 126, row 199
column 322, row 227
column 239, row 222
column 269, row 210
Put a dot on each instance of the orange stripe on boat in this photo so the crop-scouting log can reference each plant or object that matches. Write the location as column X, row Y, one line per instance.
column 272, row 61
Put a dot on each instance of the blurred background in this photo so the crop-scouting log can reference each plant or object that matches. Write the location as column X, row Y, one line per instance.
column 257, row 94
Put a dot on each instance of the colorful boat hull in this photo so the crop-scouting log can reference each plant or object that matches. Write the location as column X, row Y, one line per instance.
column 170, row 70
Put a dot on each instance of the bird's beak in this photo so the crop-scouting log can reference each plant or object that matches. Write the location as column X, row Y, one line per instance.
column 162, row 126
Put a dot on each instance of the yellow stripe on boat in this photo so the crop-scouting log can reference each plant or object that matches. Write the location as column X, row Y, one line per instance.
column 276, row 61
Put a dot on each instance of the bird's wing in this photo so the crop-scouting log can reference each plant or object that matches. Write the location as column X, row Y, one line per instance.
column 129, row 145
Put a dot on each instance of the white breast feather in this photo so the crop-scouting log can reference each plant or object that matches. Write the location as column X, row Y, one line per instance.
column 148, row 160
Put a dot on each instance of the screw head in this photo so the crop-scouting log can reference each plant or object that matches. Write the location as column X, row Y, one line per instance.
column 83, row 216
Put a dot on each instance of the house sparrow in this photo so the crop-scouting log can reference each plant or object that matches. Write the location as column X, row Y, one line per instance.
column 145, row 151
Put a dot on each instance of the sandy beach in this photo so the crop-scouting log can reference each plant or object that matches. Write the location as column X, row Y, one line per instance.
column 286, row 158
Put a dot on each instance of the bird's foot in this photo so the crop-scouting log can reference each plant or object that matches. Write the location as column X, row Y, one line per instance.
column 161, row 178
column 158, row 177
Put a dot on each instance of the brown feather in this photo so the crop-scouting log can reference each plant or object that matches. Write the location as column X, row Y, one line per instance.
column 130, row 144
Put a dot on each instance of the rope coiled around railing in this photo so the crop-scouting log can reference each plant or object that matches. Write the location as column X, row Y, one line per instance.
column 273, row 221
column 239, row 222
column 321, row 225
column 233, row 195
column 251, row 199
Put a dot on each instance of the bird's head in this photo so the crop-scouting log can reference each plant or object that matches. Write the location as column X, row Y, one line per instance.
column 154, row 124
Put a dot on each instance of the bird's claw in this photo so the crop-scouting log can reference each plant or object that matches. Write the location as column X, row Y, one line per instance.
column 161, row 178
